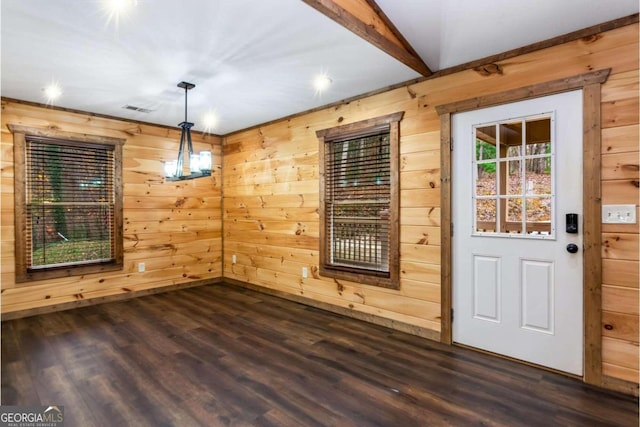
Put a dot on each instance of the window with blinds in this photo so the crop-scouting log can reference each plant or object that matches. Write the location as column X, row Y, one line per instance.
column 359, row 201
column 70, row 206
column 70, row 203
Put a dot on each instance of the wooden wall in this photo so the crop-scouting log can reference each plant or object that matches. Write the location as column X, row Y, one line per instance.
column 173, row 227
column 270, row 204
column 269, row 212
column 620, row 183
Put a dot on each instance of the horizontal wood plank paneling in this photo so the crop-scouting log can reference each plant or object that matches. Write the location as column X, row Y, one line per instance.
column 620, row 85
column 423, row 179
column 421, row 252
column 620, row 299
column 273, row 239
column 623, row 112
column 620, row 326
column 620, row 352
column 622, row 139
column 175, row 228
column 307, row 228
column 418, row 216
column 429, row 141
column 619, row 372
column 620, row 272
column 273, row 201
column 620, row 192
column 420, row 235
column 416, row 198
column 620, row 246
column 270, row 171
column 620, row 165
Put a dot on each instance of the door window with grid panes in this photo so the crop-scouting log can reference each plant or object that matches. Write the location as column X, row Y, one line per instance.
column 513, row 177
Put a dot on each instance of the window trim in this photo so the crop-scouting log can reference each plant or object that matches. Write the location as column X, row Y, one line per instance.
column 20, row 135
column 363, row 128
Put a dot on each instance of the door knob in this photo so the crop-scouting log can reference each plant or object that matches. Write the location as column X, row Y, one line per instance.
column 572, row 248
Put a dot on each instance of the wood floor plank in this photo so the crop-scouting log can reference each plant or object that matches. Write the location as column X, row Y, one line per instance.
column 221, row 355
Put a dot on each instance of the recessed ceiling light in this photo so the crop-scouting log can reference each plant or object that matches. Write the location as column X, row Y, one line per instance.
column 209, row 121
column 116, row 9
column 52, row 92
column 321, row 83
column 120, row 6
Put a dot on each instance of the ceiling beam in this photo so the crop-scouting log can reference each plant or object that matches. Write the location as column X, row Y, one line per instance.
column 367, row 20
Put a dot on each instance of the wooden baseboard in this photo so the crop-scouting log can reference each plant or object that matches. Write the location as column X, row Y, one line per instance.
column 102, row 300
column 622, row 386
column 366, row 317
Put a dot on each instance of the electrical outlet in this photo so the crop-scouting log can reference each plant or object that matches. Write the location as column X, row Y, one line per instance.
column 619, row 214
column 233, row 259
column 141, row 267
column 305, row 272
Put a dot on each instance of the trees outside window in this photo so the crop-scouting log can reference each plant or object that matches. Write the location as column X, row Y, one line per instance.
column 359, row 202
column 68, row 197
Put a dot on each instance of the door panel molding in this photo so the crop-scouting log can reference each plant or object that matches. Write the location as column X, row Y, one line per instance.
column 590, row 83
column 540, row 323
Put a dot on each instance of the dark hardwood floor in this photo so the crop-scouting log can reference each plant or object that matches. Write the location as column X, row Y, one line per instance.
column 222, row 355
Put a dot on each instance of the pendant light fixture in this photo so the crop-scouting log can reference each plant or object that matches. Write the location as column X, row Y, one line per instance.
column 200, row 163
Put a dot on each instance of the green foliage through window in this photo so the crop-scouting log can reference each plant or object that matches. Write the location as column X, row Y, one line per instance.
column 485, row 150
column 70, row 203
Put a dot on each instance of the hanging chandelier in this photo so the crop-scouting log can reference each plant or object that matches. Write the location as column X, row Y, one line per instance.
column 200, row 163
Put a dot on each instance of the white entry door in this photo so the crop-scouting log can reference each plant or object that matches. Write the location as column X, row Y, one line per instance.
column 517, row 281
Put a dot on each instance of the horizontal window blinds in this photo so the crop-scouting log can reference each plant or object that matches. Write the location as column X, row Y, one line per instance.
column 70, row 203
column 357, row 202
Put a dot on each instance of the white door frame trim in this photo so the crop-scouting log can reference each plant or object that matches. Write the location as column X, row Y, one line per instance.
column 590, row 83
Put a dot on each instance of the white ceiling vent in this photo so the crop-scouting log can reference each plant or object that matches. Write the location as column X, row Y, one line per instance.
column 139, row 109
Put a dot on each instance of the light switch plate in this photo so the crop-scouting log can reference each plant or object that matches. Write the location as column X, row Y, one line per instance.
column 618, row 214
column 233, row 259
column 141, row 267
column 305, row 272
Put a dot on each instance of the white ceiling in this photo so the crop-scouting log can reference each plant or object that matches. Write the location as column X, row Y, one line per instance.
column 252, row 60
